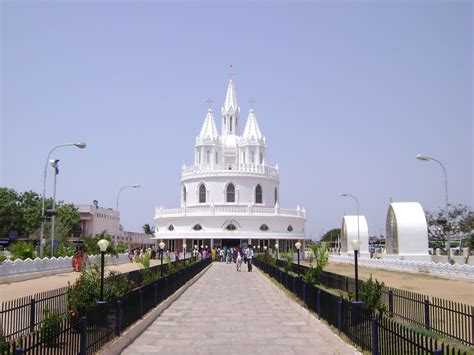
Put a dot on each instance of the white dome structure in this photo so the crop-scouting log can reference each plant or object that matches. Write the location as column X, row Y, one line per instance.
column 230, row 195
column 354, row 227
column 406, row 231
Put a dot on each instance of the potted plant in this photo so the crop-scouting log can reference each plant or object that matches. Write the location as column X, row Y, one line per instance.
column 51, row 327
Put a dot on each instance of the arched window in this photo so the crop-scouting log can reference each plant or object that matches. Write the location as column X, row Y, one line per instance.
column 217, row 158
column 276, row 195
column 184, row 194
column 290, row 228
column 171, row 228
column 230, row 124
column 202, row 194
column 264, row 227
column 252, row 157
column 231, row 227
column 261, row 158
column 197, row 227
column 208, row 157
column 230, row 193
column 258, row 194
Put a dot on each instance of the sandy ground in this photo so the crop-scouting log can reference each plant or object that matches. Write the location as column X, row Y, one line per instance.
column 13, row 290
column 458, row 290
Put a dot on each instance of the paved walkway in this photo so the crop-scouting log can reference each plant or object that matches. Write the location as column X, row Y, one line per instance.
column 230, row 312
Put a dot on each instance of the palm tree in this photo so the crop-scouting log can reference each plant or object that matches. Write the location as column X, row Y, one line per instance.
column 147, row 229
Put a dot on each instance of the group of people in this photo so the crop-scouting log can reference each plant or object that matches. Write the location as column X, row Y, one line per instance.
column 236, row 255
column 137, row 254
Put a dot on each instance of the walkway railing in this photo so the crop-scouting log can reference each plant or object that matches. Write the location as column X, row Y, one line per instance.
column 451, row 319
column 24, row 315
column 90, row 333
column 380, row 335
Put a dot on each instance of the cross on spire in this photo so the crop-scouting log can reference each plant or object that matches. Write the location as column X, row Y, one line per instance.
column 209, row 102
column 251, row 102
column 231, row 72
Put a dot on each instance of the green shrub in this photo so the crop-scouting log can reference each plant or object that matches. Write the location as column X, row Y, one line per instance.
column 4, row 347
column 371, row 295
column 288, row 259
column 22, row 250
column 51, row 326
column 317, row 263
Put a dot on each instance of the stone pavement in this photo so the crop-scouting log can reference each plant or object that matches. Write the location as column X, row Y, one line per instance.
column 230, row 312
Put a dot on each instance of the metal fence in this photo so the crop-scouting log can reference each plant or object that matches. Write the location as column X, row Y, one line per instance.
column 88, row 334
column 451, row 319
column 380, row 335
column 24, row 315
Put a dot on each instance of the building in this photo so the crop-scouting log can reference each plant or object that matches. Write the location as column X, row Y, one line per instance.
column 230, row 195
column 95, row 220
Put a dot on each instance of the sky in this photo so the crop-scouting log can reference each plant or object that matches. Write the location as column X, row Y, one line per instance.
column 347, row 94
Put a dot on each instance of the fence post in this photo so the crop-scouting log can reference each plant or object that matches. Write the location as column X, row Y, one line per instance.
column 339, row 316
column 155, row 286
column 32, row 314
column 438, row 352
column 304, row 293
column 375, row 337
column 18, row 351
column 140, row 292
column 83, row 340
column 118, row 318
column 390, row 303
column 427, row 313
column 318, row 303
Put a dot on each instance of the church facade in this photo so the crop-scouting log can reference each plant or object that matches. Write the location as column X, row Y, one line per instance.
column 230, row 196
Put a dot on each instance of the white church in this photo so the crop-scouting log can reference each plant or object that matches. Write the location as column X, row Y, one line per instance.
column 230, row 195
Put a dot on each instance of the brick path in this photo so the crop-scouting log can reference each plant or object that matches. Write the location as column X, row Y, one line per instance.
column 230, row 312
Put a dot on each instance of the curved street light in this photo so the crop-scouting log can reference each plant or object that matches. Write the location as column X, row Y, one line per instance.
column 424, row 157
column 357, row 203
column 77, row 145
column 120, row 191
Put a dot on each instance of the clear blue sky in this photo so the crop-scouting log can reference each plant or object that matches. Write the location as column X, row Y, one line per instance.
column 347, row 94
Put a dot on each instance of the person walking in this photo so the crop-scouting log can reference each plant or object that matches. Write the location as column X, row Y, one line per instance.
column 239, row 261
column 229, row 256
column 249, row 255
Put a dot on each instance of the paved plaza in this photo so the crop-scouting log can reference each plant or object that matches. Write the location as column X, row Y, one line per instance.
column 230, row 312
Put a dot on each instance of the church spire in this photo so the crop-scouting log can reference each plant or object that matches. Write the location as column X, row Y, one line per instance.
column 252, row 131
column 209, row 129
column 230, row 111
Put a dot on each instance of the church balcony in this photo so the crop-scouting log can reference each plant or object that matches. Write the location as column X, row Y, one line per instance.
column 225, row 210
column 227, row 169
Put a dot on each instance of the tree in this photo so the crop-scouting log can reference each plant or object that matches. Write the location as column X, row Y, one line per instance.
column 317, row 263
column 147, row 229
column 92, row 248
column 332, row 235
column 459, row 220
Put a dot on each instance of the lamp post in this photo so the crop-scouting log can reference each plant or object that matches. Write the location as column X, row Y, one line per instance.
column 298, row 246
column 184, row 251
column 426, row 158
column 195, row 253
column 55, row 164
column 120, row 191
column 356, row 245
column 162, row 246
column 78, row 145
column 276, row 250
column 103, row 244
column 357, row 203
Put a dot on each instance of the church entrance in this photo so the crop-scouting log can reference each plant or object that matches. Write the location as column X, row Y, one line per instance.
column 230, row 242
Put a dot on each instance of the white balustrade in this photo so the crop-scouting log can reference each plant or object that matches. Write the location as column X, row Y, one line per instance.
column 18, row 266
column 227, row 209
column 456, row 270
column 216, row 168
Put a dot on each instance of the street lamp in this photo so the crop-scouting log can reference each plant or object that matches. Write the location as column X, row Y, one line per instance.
column 356, row 245
column 426, row 158
column 184, row 251
column 103, row 244
column 55, row 165
column 276, row 250
column 78, row 145
column 195, row 252
column 162, row 246
column 120, row 191
column 298, row 246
